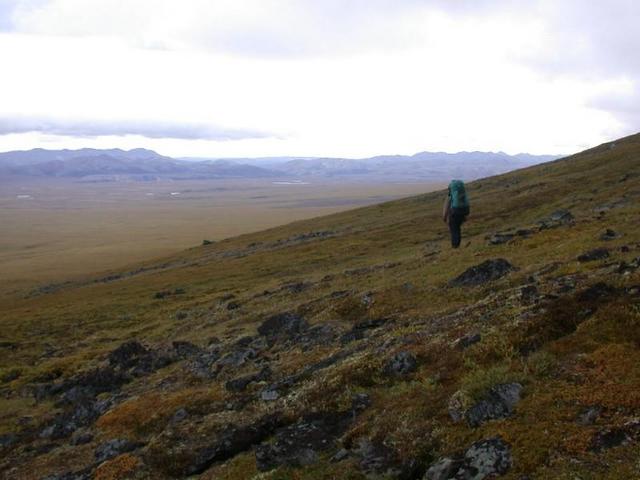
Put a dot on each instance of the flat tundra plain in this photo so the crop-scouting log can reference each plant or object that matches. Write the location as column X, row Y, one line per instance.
column 58, row 230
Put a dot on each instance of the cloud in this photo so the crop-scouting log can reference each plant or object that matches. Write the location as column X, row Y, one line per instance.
column 624, row 104
column 7, row 8
column 340, row 77
column 148, row 129
column 254, row 28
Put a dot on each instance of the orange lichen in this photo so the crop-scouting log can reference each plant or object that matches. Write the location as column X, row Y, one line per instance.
column 118, row 468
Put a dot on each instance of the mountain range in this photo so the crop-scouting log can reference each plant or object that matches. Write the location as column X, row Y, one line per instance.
column 145, row 165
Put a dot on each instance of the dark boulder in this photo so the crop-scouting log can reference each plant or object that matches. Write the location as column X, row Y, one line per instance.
column 81, row 437
column 233, row 305
column 179, row 458
column 499, row 402
column 558, row 218
column 241, row 383
column 609, row 235
column 500, row 238
column 369, row 324
column 84, row 474
column 300, row 444
column 596, row 293
column 185, row 349
column 136, row 359
column 352, row 336
column 7, row 440
column 283, row 324
column 96, row 381
column 74, row 416
column 589, row 415
column 377, row 460
column 113, row 448
column 593, row 255
column 562, row 216
column 201, row 366
column 316, row 335
column 402, row 363
column 616, row 436
column 237, row 358
column 529, row 294
column 466, row 341
column 485, row 272
column 127, row 355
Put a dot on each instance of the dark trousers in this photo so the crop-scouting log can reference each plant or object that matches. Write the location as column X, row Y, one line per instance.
column 455, row 222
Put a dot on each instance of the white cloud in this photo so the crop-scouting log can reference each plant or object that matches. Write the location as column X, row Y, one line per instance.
column 347, row 78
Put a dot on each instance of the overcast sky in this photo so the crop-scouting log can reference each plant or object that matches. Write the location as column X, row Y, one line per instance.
column 348, row 78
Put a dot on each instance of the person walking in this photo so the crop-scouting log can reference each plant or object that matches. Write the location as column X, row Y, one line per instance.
column 455, row 210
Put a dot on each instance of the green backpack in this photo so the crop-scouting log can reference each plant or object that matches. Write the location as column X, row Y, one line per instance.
column 459, row 200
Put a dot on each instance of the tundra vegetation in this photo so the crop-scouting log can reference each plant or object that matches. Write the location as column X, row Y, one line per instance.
column 355, row 345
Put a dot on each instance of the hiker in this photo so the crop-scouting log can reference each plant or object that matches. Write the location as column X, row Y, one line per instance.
column 455, row 211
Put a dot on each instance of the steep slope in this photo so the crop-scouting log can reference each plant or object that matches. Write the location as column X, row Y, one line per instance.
column 351, row 346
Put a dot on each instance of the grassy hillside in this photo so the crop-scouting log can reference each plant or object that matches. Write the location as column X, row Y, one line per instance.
column 381, row 367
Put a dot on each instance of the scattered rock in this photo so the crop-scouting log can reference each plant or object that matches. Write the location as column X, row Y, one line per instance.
column 628, row 267
column 466, row 341
column 613, row 437
column 296, row 287
column 185, row 349
column 233, row 305
column 500, row 238
column 561, row 215
column 498, row 403
column 178, row 458
column 360, row 329
column 84, row 474
column 82, row 413
column 589, row 415
column 401, row 363
column 237, row 358
column 179, row 416
column 444, row 469
column 529, row 294
column 488, row 458
column 240, row 384
column 282, row 324
column 135, row 358
column 301, row 443
column 10, row 376
column 167, row 293
column 483, row 460
column 380, row 461
column 558, row 218
column 113, row 448
column 609, row 235
column 595, row 254
column 201, row 366
column 370, row 324
column 368, row 299
column 340, row 455
column 269, row 395
column 8, row 440
column 596, row 293
column 485, row 272
column 352, row 336
column 81, row 437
